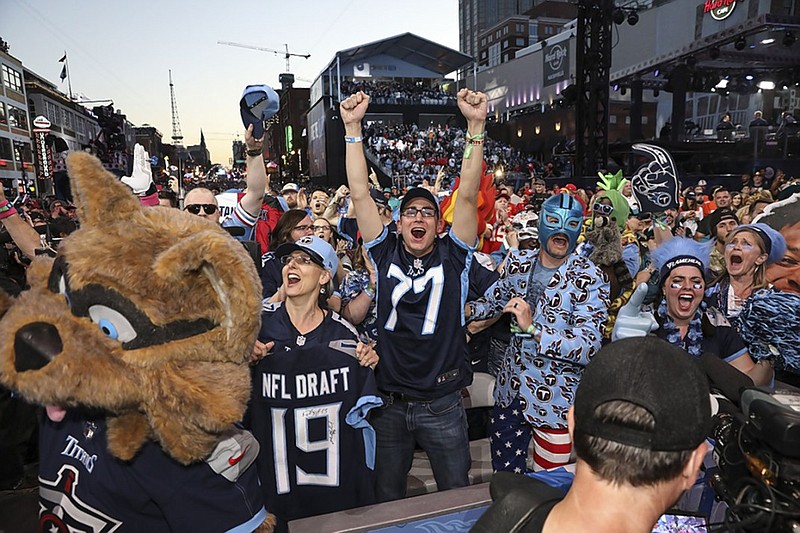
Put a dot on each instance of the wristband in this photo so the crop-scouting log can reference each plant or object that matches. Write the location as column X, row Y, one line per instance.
column 370, row 292
column 255, row 152
column 471, row 141
column 352, row 140
column 6, row 210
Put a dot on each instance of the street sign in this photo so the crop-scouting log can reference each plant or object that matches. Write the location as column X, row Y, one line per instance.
column 41, row 123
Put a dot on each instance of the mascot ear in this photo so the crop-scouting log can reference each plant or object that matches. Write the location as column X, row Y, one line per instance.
column 95, row 202
column 230, row 263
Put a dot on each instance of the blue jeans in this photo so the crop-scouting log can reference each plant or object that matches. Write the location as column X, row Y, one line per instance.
column 440, row 428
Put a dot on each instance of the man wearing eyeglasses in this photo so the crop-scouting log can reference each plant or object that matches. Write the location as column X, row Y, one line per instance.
column 421, row 292
column 202, row 202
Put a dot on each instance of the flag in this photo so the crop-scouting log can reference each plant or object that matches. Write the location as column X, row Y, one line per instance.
column 63, row 74
column 63, row 58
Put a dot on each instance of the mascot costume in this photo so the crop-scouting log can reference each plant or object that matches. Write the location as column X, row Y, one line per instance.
column 136, row 338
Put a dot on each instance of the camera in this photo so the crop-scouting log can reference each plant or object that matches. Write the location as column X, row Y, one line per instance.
column 757, row 452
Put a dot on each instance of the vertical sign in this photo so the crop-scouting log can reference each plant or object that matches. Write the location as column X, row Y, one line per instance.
column 556, row 64
column 44, row 153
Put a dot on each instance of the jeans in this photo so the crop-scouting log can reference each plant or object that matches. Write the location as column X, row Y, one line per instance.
column 440, row 428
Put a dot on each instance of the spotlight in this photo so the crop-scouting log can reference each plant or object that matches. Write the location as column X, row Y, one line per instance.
column 656, row 72
column 618, row 16
column 740, row 43
column 633, row 18
column 766, row 85
column 691, row 61
column 788, row 39
column 713, row 53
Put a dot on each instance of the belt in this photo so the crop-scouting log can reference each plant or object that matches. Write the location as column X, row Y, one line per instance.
column 401, row 396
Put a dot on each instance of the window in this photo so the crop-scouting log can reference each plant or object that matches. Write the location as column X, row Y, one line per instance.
column 520, row 41
column 67, row 119
column 612, row 119
column 12, row 78
column 494, row 55
column 17, row 118
column 533, row 30
column 505, row 30
column 483, row 41
column 520, row 28
column 3, row 117
column 5, row 149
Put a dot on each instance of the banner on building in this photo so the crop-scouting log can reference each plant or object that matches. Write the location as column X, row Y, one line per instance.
column 44, row 153
column 556, row 63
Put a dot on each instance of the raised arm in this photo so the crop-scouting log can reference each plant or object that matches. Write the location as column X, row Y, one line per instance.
column 257, row 181
column 22, row 233
column 352, row 111
column 473, row 106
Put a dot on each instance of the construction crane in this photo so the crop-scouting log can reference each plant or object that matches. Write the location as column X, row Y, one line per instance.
column 285, row 53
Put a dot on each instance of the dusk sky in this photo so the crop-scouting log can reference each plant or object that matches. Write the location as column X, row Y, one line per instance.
column 124, row 50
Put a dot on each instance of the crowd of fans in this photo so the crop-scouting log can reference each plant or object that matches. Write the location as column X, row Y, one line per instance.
column 396, row 92
column 409, row 153
column 515, row 310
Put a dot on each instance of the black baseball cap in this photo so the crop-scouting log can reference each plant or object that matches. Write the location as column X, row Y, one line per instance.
column 653, row 374
column 419, row 192
column 378, row 197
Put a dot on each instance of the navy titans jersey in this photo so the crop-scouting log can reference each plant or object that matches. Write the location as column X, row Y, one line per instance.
column 82, row 487
column 348, row 228
column 421, row 338
column 271, row 274
column 308, row 411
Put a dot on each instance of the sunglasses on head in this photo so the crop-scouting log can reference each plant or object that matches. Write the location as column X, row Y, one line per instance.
column 194, row 209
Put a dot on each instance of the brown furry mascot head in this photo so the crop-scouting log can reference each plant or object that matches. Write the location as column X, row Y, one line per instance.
column 147, row 313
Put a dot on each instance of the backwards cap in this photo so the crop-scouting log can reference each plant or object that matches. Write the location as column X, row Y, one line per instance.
column 644, row 371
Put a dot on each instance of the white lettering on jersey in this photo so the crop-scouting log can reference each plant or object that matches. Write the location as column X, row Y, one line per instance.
column 322, row 383
column 433, row 275
column 73, row 449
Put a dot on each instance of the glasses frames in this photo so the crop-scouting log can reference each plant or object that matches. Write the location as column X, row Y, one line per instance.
column 194, row 209
column 302, row 259
column 411, row 212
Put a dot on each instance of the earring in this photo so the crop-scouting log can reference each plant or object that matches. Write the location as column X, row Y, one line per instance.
column 322, row 290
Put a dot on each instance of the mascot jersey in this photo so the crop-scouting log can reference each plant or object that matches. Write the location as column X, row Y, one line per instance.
column 421, row 340
column 82, row 487
column 308, row 410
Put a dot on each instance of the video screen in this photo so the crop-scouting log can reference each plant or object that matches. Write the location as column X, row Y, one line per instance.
column 679, row 523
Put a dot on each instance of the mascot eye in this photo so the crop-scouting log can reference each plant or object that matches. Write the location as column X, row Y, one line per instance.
column 112, row 323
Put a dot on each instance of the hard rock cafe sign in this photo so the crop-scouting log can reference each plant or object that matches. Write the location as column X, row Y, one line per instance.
column 719, row 9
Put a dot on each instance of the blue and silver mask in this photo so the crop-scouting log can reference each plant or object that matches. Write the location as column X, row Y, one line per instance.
column 560, row 214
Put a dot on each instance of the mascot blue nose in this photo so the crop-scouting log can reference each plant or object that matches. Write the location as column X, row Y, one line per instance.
column 35, row 345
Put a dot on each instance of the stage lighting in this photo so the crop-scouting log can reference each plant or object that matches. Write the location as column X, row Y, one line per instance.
column 766, row 85
column 713, row 53
column 740, row 43
column 633, row 18
column 618, row 16
column 788, row 39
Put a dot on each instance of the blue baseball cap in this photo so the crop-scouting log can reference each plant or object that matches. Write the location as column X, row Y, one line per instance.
column 258, row 104
column 318, row 250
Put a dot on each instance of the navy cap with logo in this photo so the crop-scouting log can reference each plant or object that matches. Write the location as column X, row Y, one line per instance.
column 258, row 104
column 419, row 192
column 652, row 374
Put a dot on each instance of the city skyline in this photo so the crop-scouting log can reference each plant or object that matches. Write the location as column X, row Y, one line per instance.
column 125, row 53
